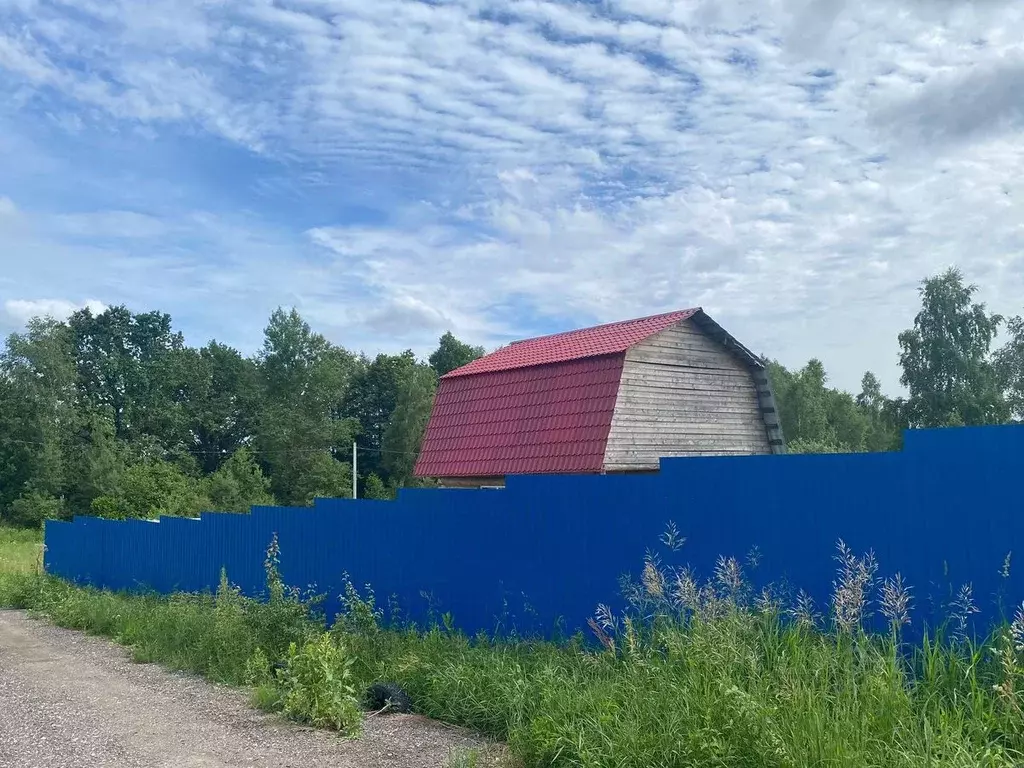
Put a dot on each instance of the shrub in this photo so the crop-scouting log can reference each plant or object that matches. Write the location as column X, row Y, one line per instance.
column 317, row 686
column 31, row 509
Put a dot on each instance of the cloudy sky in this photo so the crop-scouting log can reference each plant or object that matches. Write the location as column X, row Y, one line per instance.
column 504, row 168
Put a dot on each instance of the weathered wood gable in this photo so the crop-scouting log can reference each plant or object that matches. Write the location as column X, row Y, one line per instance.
column 684, row 394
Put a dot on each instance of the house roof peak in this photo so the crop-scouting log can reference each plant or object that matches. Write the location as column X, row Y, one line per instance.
column 606, row 339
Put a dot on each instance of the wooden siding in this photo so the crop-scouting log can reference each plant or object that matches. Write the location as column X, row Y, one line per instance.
column 683, row 394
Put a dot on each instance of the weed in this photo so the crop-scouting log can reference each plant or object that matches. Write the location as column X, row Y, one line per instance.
column 316, row 685
column 692, row 673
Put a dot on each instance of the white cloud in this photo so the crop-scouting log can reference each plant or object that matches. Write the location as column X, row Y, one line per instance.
column 796, row 166
column 23, row 310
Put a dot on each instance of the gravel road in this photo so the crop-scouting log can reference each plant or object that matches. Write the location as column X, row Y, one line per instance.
column 68, row 700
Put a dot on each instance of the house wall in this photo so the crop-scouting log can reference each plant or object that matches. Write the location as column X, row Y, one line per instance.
column 683, row 394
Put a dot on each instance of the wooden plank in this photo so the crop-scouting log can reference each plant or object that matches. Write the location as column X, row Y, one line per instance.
column 684, row 380
column 665, row 398
column 674, row 398
column 636, row 368
column 645, row 424
column 646, row 453
column 678, row 375
column 659, row 357
column 687, row 440
column 640, row 419
column 682, row 348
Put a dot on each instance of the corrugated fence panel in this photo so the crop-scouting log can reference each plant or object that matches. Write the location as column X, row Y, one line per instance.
column 543, row 552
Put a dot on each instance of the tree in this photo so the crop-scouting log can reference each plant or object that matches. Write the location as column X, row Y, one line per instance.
column 322, row 477
column 372, row 397
column 213, row 401
column 238, row 485
column 814, row 413
column 115, row 353
column 375, row 489
column 149, row 490
column 883, row 423
column 452, row 353
column 945, row 358
column 1009, row 363
column 404, row 432
column 302, row 431
column 31, row 509
column 37, row 410
column 96, row 461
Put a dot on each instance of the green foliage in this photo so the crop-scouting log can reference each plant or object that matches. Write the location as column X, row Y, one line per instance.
column 317, row 687
column 212, row 399
column 452, row 353
column 116, row 355
column 30, row 510
column 151, row 489
column 945, row 358
column 375, row 488
column 1009, row 365
column 20, row 551
column 407, row 424
column 238, row 485
column 301, row 425
column 108, row 412
column 819, row 419
column 711, row 681
column 373, row 397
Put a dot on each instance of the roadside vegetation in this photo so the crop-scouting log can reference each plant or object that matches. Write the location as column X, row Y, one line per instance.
column 695, row 673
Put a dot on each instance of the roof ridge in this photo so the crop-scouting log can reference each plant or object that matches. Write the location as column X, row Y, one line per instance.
column 658, row 316
column 564, row 346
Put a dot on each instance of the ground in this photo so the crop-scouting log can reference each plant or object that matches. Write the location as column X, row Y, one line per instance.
column 74, row 701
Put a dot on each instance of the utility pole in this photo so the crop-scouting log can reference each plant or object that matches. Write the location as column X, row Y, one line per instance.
column 355, row 469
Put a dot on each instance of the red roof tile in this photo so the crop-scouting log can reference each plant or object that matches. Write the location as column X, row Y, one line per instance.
column 612, row 338
column 522, row 420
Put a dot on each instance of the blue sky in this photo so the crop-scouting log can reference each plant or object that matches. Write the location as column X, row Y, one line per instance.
column 505, row 168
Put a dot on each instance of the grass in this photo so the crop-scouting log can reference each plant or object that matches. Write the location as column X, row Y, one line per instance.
column 20, row 550
column 708, row 677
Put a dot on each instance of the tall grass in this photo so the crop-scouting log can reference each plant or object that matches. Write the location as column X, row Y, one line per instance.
column 694, row 673
column 20, row 550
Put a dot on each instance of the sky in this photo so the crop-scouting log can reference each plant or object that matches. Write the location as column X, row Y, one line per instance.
column 506, row 168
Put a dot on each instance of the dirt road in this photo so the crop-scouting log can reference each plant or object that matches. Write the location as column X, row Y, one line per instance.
column 72, row 701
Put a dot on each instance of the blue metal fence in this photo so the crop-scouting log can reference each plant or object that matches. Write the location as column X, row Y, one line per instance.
column 946, row 511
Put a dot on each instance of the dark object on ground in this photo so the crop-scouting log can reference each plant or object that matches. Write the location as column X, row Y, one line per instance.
column 387, row 697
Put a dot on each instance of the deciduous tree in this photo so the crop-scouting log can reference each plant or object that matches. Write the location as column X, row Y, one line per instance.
column 945, row 357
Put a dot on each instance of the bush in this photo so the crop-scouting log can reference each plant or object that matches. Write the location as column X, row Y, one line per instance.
column 317, row 688
column 150, row 489
column 31, row 509
column 239, row 484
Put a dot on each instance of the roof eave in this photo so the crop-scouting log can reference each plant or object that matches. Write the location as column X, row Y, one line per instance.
column 707, row 324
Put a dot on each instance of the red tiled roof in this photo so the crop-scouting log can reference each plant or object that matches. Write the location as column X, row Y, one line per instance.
column 612, row 338
column 544, row 418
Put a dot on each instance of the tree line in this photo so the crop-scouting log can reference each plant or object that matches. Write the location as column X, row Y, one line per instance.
column 952, row 371
column 112, row 414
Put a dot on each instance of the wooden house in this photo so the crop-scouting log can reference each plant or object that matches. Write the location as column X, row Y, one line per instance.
column 614, row 398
